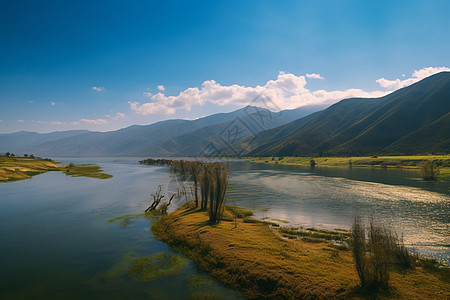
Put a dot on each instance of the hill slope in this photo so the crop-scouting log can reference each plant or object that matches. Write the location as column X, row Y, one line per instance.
column 407, row 121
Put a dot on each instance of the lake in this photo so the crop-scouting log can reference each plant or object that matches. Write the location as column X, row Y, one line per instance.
column 57, row 241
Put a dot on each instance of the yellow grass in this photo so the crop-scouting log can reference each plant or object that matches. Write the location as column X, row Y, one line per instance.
column 12, row 168
column 259, row 262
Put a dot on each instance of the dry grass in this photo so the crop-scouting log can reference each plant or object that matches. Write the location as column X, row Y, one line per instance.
column 17, row 168
column 258, row 261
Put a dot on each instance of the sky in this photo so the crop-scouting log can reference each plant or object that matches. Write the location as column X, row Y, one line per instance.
column 105, row 65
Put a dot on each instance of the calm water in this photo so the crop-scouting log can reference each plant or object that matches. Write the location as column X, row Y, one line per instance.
column 56, row 241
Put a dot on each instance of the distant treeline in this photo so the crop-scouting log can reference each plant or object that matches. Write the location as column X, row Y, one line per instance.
column 155, row 162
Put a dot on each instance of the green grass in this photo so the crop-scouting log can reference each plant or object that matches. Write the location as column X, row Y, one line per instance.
column 443, row 161
column 91, row 171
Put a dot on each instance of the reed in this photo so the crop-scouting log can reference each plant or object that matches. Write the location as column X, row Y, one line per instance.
column 375, row 251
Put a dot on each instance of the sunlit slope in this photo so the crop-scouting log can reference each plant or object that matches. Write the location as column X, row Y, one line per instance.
column 365, row 126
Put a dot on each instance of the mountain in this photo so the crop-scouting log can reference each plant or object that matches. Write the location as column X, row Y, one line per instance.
column 25, row 141
column 408, row 121
column 170, row 137
column 226, row 134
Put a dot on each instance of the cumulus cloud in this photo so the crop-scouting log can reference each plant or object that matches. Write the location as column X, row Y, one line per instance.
column 98, row 89
column 314, row 75
column 416, row 76
column 288, row 91
column 118, row 116
column 147, row 94
column 161, row 88
column 52, row 103
column 91, row 122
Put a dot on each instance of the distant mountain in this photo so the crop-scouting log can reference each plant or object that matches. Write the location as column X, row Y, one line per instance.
column 24, row 141
column 171, row 137
column 226, row 134
column 410, row 120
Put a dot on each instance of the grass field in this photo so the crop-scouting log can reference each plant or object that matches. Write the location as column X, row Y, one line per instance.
column 19, row 168
column 413, row 162
column 12, row 168
column 256, row 259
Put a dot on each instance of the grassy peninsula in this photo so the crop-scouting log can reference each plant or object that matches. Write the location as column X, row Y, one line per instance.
column 259, row 261
column 19, row 168
column 412, row 162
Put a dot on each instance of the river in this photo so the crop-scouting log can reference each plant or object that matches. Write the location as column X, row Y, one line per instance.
column 56, row 241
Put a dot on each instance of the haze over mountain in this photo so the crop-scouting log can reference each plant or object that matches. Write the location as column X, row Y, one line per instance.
column 170, row 137
column 411, row 120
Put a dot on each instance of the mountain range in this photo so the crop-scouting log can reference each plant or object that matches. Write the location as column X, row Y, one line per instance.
column 411, row 120
column 166, row 138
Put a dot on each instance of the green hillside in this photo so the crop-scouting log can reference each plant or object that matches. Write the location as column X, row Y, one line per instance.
column 411, row 120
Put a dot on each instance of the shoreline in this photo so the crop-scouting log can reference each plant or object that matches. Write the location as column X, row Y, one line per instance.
column 20, row 168
column 258, row 261
column 404, row 162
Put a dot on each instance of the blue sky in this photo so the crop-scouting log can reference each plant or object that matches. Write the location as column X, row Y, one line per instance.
column 97, row 65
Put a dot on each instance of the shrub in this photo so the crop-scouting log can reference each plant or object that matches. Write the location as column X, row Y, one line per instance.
column 429, row 170
column 375, row 254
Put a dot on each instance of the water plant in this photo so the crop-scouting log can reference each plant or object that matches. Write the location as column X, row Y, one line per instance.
column 157, row 266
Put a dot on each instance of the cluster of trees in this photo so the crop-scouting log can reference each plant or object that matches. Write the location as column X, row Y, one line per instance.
column 210, row 184
column 155, row 162
column 8, row 154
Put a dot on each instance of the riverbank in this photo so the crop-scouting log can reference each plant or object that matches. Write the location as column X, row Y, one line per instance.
column 412, row 162
column 250, row 256
column 19, row 168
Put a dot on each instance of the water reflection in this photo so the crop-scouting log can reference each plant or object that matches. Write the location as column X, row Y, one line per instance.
column 306, row 199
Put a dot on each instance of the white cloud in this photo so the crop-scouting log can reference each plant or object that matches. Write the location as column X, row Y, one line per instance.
column 118, row 116
column 1, row 121
column 98, row 89
column 52, row 122
column 31, row 101
column 147, row 94
column 415, row 77
column 91, row 122
column 20, row 121
column 286, row 92
column 314, row 75
column 161, row 88
column 52, row 103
